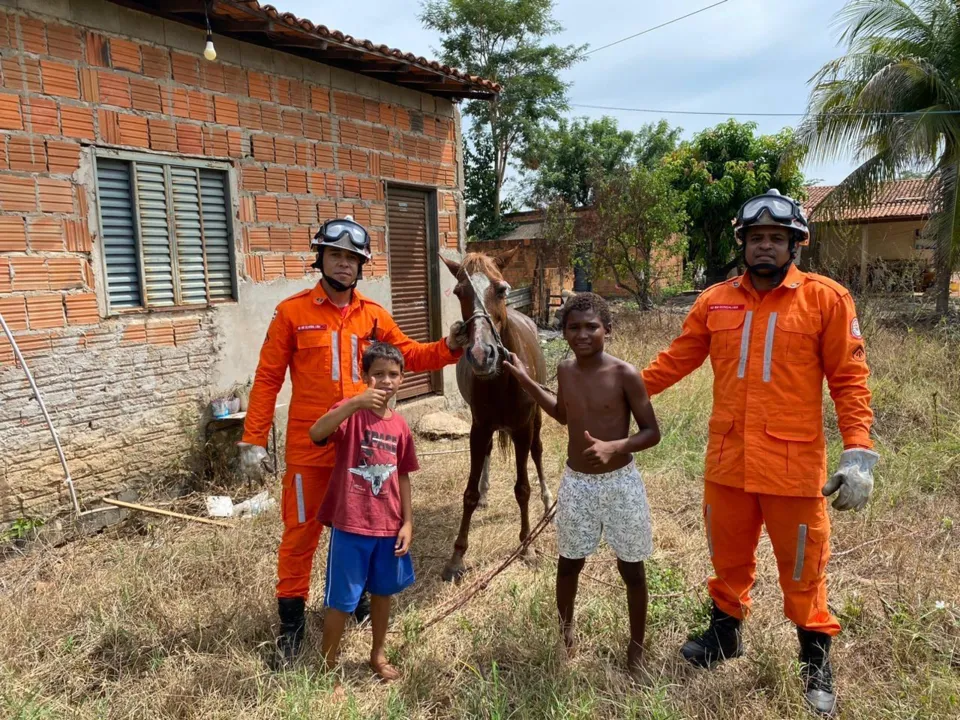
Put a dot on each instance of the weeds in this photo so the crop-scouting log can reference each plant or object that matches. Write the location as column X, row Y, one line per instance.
column 177, row 625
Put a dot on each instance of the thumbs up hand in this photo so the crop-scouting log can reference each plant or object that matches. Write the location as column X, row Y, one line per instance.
column 372, row 398
column 598, row 453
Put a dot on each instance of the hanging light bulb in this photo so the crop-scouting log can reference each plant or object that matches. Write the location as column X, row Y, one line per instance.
column 209, row 51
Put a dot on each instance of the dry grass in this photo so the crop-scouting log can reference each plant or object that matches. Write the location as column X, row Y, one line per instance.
column 173, row 621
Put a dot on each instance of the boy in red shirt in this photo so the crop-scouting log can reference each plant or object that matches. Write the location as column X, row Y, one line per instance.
column 367, row 505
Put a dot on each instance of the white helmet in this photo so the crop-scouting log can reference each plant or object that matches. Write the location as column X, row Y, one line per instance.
column 344, row 233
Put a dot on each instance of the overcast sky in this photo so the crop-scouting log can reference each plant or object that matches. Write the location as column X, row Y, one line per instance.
column 742, row 56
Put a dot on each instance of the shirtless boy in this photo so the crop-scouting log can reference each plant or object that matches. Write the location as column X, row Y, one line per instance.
column 602, row 491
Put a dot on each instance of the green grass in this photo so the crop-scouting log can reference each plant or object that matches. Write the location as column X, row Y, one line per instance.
column 175, row 621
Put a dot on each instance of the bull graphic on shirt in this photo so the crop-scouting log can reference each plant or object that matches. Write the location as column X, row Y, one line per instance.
column 376, row 475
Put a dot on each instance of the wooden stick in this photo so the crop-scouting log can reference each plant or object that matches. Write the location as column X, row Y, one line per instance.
column 168, row 513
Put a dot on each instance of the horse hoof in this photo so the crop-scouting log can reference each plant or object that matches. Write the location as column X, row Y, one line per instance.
column 529, row 556
column 482, row 504
column 453, row 573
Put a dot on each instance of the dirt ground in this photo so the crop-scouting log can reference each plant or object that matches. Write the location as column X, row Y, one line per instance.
column 161, row 619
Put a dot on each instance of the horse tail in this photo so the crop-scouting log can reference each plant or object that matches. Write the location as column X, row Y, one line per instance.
column 503, row 441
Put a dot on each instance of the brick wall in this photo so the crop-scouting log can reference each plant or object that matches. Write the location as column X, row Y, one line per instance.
column 301, row 151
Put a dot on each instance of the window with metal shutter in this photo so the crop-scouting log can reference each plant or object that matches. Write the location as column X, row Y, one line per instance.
column 215, row 202
column 119, row 233
column 189, row 236
column 167, row 233
column 156, row 249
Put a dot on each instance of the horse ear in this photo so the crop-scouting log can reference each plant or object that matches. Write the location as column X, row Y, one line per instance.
column 504, row 258
column 452, row 265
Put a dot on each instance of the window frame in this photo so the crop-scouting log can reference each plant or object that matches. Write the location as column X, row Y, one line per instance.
column 168, row 161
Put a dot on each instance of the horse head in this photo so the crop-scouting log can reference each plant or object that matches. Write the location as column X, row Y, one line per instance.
column 483, row 305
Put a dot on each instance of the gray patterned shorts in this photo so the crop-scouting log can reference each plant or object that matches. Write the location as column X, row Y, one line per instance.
column 613, row 504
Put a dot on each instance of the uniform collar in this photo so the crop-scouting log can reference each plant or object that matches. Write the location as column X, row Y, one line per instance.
column 319, row 296
column 793, row 279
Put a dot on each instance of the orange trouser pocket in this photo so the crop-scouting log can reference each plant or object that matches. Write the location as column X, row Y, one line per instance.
column 303, row 491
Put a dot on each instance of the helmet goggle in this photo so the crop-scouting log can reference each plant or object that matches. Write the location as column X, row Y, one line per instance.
column 781, row 210
column 779, row 207
column 334, row 230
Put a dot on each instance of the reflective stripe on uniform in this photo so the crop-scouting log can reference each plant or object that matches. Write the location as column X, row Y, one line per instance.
column 745, row 344
column 768, row 346
column 335, row 359
column 301, row 508
column 801, row 552
column 354, row 346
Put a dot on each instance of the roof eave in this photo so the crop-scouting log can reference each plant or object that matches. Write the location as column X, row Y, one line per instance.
column 248, row 21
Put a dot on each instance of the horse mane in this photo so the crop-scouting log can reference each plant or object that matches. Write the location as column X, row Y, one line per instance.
column 481, row 262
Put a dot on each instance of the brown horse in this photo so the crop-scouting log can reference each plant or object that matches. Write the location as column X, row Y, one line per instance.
column 497, row 402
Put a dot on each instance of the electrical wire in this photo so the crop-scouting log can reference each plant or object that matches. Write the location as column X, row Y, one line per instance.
column 655, row 27
column 878, row 113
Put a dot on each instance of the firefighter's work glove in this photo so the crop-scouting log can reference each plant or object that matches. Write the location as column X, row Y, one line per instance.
column 854, row 479
column 252, row 459
column 457, row 337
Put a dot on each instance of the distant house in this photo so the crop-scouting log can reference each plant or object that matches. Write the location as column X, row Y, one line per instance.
column 887, row 233
column 529, row 233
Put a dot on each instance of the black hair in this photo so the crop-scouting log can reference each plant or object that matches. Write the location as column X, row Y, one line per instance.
column 381, row 351
column 585, row 302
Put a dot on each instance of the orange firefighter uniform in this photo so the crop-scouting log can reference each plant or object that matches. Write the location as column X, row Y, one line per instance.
column 766, row 453
column 323, row 346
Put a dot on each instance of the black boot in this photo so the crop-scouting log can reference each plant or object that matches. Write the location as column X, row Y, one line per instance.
column 816, row 671
column 362, row 612
column 292, row 626
column 720, row 642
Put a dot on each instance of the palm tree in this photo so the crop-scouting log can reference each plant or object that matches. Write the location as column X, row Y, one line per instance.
column 894, row 100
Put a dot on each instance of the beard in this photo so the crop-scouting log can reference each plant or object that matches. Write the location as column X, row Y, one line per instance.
column 764, row 269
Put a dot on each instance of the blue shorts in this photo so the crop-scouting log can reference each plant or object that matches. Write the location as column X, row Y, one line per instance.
column 358, row 562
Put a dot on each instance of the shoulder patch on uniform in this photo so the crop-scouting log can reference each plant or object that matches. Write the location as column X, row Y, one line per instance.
column 367, row 301
column 859, row 354
column 855, row 329
column 715, row 287
column 828, row 282
column 296, row 295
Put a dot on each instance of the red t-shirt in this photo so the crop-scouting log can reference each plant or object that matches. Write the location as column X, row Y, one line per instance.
column 364, row 492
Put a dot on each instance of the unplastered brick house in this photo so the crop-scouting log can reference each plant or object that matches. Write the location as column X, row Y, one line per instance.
column 155, row 206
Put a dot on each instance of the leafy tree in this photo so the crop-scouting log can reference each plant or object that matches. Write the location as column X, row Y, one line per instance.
column 653, row 142
column 503, row 41
column 565, row 158
column 637, row 220
column 719, row 170
column 889, row 100
column 483, row 222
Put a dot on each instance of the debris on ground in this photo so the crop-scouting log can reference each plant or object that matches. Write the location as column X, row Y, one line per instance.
column 259, row 503
column 222, row 505
column 442, row 426
column 219, row 506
